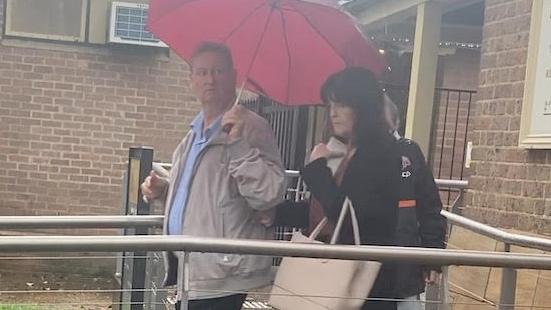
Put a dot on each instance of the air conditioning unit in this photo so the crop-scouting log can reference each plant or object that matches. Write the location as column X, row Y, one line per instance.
column 128, row 25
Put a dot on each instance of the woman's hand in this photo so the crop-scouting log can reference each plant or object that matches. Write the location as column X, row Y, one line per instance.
column 322, row 151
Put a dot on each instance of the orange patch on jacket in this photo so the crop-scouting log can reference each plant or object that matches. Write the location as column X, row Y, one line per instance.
column 407, row 204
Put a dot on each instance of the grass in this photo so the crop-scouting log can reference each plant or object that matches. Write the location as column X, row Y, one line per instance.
column 20, row 307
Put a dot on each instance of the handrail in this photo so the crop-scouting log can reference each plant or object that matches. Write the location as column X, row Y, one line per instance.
column 452, row 184
column 129, row 221
column 160, row 168
column 132, row 221
column 272, row 248
column 87, row 221
column 498, row 234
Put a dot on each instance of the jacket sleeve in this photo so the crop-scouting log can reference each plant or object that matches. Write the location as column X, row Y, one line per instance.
column 322, row 185
column 432, row 225
column 375, row 204
column 292, row 214
column 171, row 179
column 256, row 166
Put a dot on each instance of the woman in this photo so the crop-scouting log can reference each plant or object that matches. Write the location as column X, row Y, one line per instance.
column 369, row 173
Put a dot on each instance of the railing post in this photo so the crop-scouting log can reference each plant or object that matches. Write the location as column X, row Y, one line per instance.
column 134, row 264
column 457, row 207
column 437, row 294
column 431, row 296
column 508, row 286
column 444, row 290
column 440, row 292
column 183, row 280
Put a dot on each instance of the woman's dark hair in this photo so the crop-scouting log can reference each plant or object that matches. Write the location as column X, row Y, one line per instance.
column 359, row 89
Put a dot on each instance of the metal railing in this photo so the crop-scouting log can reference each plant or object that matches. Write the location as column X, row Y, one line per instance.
column 509, row 275
column 498, row 234
column 186, row 244
column 508, row 261
column 90, row 221
column 271, row 248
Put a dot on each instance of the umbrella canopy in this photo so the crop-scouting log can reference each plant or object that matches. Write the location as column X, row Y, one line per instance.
column 284, row 49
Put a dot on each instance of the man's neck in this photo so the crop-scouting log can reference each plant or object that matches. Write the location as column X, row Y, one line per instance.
column 211, row 112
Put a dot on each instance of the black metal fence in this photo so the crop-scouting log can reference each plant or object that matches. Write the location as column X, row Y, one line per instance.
column 451, row 134
column 289, row 125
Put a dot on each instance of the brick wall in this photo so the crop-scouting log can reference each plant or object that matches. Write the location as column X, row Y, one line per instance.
column 68, row 115
column 460, row 70
column 509, row 184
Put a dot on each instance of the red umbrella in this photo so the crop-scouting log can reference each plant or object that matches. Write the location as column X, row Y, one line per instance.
column 284, row 49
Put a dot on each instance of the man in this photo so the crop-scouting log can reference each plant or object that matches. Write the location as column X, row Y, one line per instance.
column 226, row 176
column 420, row 223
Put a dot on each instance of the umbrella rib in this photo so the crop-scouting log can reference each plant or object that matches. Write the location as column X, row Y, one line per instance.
column 257, row 86
column 257, row 49
column 317, row 30
column 244, row 20
column 284, row 23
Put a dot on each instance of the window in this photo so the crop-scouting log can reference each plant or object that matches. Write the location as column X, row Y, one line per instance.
column 63, row 20
column 129, row 25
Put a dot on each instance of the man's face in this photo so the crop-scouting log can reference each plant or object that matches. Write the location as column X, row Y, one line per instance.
column 212, row 79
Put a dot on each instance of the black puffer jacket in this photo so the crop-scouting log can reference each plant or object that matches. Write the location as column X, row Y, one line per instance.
column 371, row 181
column 419, row 221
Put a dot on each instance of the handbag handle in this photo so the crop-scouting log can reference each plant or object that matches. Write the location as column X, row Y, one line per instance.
column 347, row 205
column 317, row 230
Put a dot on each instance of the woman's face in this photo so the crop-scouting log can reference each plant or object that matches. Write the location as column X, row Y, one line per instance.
column 342, row 120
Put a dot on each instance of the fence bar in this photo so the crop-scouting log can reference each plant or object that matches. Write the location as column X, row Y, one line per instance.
column 273, row 248
column 92, row 221
column 498, row 234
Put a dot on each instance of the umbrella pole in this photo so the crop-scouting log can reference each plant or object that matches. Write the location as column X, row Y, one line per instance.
column 239, row 94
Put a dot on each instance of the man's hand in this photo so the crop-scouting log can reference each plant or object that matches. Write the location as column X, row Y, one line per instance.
column 152, row 187
column 432, row 277
column 232, row 122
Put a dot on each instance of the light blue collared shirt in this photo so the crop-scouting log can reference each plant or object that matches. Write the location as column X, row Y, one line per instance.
column 201, row 140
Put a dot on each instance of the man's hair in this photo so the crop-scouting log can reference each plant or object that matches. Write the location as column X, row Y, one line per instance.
column 213, row 47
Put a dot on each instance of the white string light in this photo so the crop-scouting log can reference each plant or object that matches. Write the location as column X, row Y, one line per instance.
column 465, row 45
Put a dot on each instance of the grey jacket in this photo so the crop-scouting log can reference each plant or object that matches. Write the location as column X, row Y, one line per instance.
column 233, row 184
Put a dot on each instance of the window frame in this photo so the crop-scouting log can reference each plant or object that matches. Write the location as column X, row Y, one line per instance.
column 54, row 37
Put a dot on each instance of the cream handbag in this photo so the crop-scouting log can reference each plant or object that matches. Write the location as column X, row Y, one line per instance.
column 322, row 284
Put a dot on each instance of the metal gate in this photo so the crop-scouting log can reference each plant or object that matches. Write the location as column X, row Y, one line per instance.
column 450, row 130
column 289, row 125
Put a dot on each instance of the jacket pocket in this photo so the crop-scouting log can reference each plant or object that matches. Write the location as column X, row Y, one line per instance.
column 229, row 263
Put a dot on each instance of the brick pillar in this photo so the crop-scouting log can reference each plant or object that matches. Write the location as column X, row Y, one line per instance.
column 510, row 186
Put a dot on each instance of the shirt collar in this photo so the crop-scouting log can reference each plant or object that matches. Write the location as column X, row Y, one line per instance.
column 198, row 123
